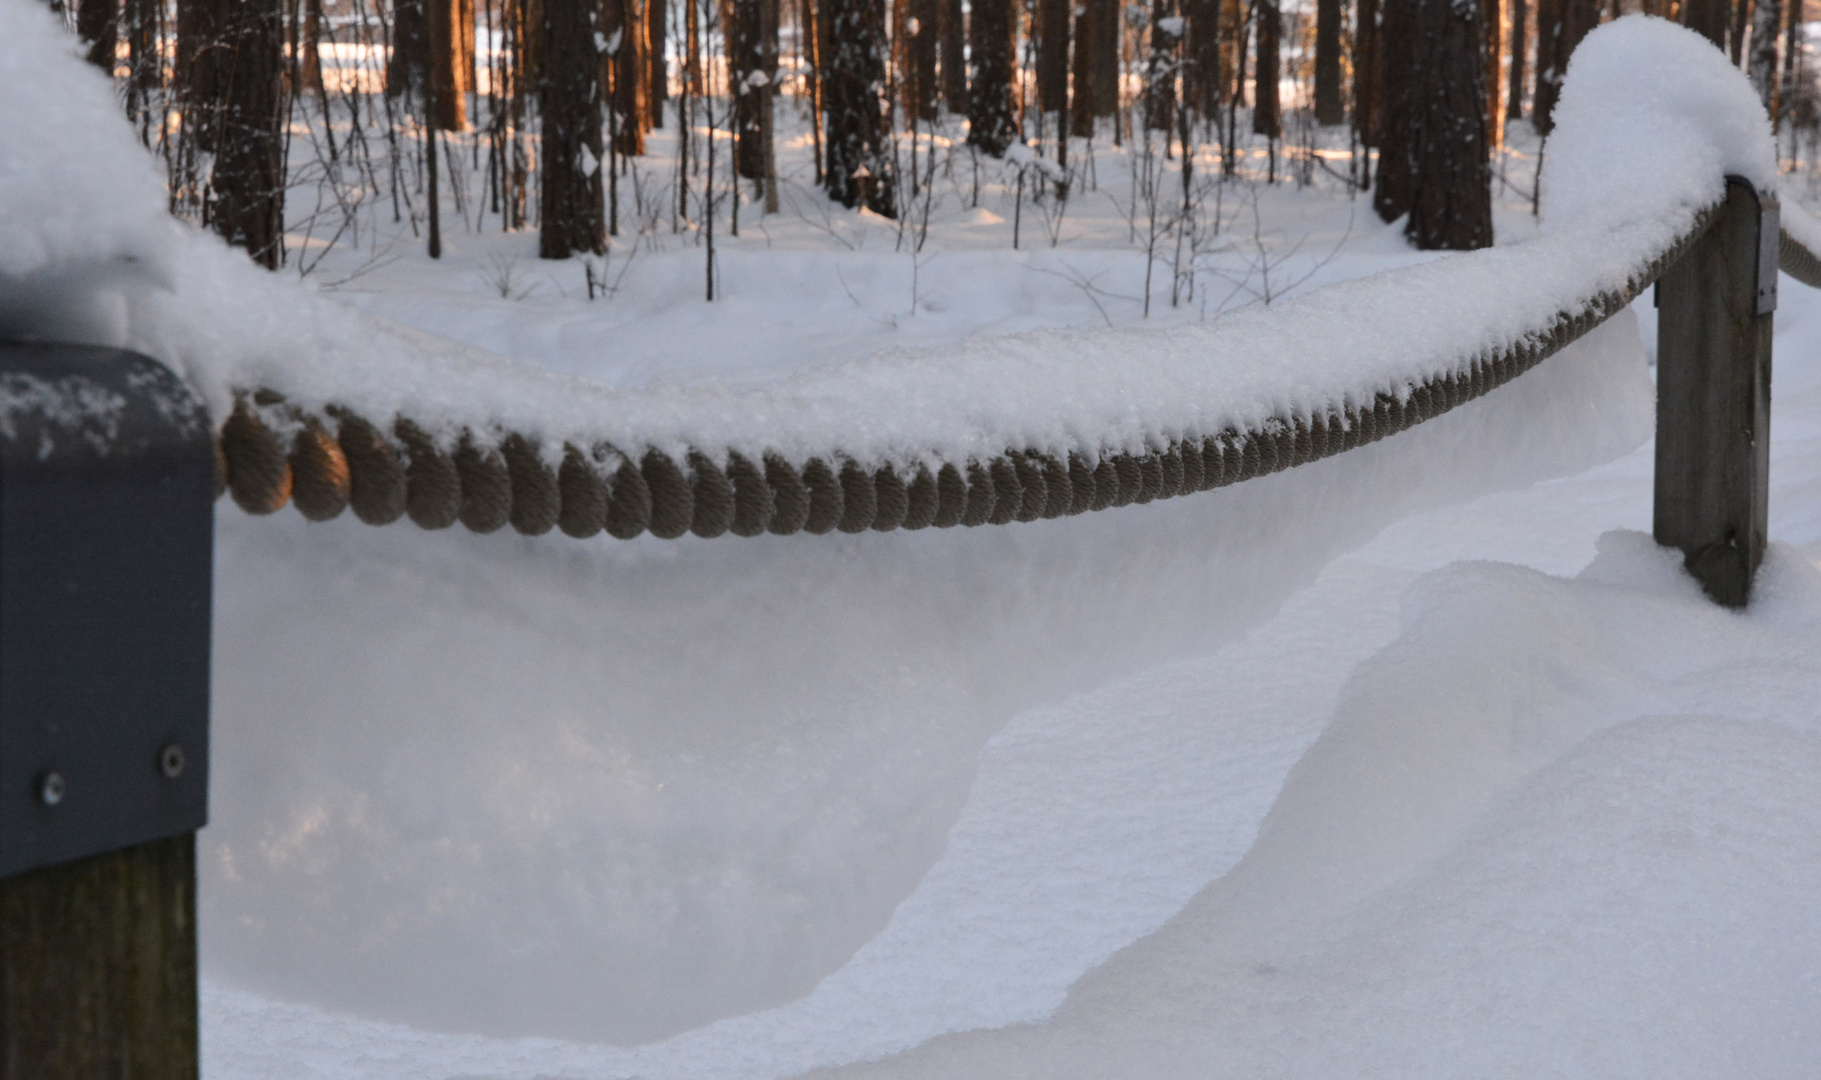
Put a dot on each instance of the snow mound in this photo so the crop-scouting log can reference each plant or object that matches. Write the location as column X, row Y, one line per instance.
column 612, row 792
column 1561, row 827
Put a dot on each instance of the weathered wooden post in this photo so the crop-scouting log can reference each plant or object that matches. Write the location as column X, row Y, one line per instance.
column 106, row 539
column 1713, row 394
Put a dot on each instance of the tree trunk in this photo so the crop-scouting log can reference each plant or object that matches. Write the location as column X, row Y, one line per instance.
column 95, row 25
column 952, row 45
column 409, row 63
column 1491, row 18
column 1201, row 62
column 1393, row 189
column 1741, row 17
column 1514, row 93
column 1767, row 18
column 309, row 43
column 1366, row 73
column 992, row 120
column 657, row 94
column 1160, row 67
column 922, row 28
column 569, row 101
column 753, row 57
column 1267, row 117
column 1328, row 107
column 1792, row 50
column 1560, row 26
column 1096, row 72
column 1442, row 116
column 144, row 36
column 201, row 55
column 247, row 191
column 853, row 80
column 449, row 26
column 626, row 73
column 1707, row 18
column 1052, row 25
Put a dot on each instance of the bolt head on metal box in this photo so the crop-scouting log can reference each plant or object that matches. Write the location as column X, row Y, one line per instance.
column 107, row 491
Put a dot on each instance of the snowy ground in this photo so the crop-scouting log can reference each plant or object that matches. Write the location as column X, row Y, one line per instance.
column 1421, row 760
column 502, row 808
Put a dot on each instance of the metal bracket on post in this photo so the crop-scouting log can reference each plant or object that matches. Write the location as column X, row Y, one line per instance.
column 1714, row 317
column 106, row 562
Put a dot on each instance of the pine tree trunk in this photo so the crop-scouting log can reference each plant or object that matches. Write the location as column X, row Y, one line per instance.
column 1443, row 114
column 1560, row 26
column 201, row 55
column 853, row 79
column 95, row 26
column 310, row 43
column 1052, row 26
column 144, row 36
column 753, row 58
column 625, row 74
column 246, row 201
column 1328, row 107
column 1767, row 18
column 1160, row 67
column 449, row 29
column 1792, row 51
column 1741, row 17
column 409, row 63
column 1514, row 93
column 569, row 102
column 1096, row 72
column 992, row 120
column 1707, row 18
column 1367, row 78
column 1397, row 103
column 1201, row 63
column 1267, row 116
column 952, row 47
column 657, row 94
column 1491, row 20
column 922, row 27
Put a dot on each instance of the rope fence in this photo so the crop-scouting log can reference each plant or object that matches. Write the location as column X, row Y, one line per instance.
column 271, row 454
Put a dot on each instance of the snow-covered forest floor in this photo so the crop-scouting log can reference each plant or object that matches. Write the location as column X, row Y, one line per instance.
column 1421, row 760
column 511, row 808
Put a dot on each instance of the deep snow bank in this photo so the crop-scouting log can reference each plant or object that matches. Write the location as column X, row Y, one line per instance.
column 1639, row 151
column 1560, row 827
column 615, row 791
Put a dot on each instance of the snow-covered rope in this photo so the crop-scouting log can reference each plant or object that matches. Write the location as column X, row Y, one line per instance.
column 488, row 482
column 322, row 407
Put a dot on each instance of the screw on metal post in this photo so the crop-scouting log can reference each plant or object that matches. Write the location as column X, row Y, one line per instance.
column 170, row 761
column 51, row 788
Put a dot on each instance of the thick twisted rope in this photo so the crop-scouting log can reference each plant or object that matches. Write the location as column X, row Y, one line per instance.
column 271, row 454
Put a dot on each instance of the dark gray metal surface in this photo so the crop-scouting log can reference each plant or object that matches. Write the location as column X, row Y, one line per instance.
column 106, row 549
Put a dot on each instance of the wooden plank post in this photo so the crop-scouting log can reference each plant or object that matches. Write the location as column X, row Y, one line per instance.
column 106, row 549
column 1714, row 311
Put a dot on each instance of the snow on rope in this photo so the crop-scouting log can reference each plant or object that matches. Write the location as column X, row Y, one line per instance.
column 321, row 407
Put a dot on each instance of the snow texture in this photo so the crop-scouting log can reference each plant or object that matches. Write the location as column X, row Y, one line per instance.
column 616, row 791
column 1650, row 122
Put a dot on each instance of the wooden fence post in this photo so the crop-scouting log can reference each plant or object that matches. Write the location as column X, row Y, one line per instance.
column 1713, row 395
column 107, row 473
